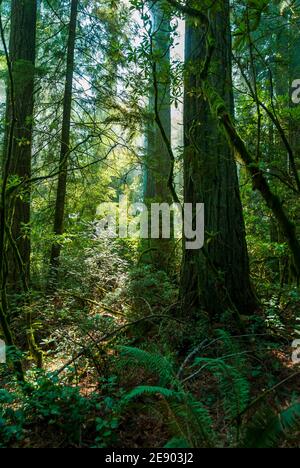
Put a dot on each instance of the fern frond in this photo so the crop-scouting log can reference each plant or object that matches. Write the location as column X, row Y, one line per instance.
column 267, row 428
column 231, row 347
column 191, row 420
column 154, row 363
column 234, row 387
column 290, row 418
column 150, row 390
column 261, row 432
column 188, row 419
column 176, row 443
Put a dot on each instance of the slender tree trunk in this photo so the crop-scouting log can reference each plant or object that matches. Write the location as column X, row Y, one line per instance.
column 215, row 278
column 22, row 50
column 158, row 164
column 65, row 142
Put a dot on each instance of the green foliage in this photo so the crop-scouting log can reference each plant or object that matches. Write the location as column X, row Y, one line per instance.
column 190, row 421
column 154, row 363
column 233, row 386
column 139, row 391
column 187, row 418
column 59, row 409
column 154, row 287
column 176, row 442
column 11, row 419
column 59, row 406
column 267, row 428
column 106, row 285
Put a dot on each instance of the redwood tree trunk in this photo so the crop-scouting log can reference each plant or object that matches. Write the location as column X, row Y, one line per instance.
column 215, row 278
column 22, row 50
column 158, row 163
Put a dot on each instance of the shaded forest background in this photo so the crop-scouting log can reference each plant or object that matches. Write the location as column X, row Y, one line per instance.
column 130, row 342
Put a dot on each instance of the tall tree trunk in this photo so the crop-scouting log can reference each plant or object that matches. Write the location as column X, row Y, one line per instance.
column 22, row 51
column 15, row 211
column 158, row 163
column 65, row 142
column 217, row 277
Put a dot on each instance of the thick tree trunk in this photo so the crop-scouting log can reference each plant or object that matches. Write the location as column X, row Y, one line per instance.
column 65, row 142
column 217, row 277
column 22, row 50
column 158, row 163
column 16, row 167
column 287, row 227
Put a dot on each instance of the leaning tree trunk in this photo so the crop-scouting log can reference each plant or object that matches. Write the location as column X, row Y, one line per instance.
column 22, row 52
column 215, row 278
column 158, row 163
column 65, row 144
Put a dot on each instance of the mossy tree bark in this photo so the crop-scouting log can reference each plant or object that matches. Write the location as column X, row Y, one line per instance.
column 22, row 52
column 215, row 278
column 16, row 167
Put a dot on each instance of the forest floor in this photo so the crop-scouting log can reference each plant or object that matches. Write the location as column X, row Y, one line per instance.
column 93, row 337
column 144, row 423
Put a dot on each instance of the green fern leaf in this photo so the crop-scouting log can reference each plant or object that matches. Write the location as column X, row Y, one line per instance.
column 176, row 443
column 142, row 390
column 233, row 386
column 154, row 363
column 267, row 428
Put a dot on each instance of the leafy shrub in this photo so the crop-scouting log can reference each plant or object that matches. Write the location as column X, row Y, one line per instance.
column 61, row 411
column 11, row 419
column 149, row 288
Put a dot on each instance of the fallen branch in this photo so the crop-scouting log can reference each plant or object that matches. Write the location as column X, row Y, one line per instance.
column 112, row 335
column 91, row 301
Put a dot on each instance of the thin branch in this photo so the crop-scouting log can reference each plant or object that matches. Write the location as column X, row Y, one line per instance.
column 190, row 11
column 112, row 335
